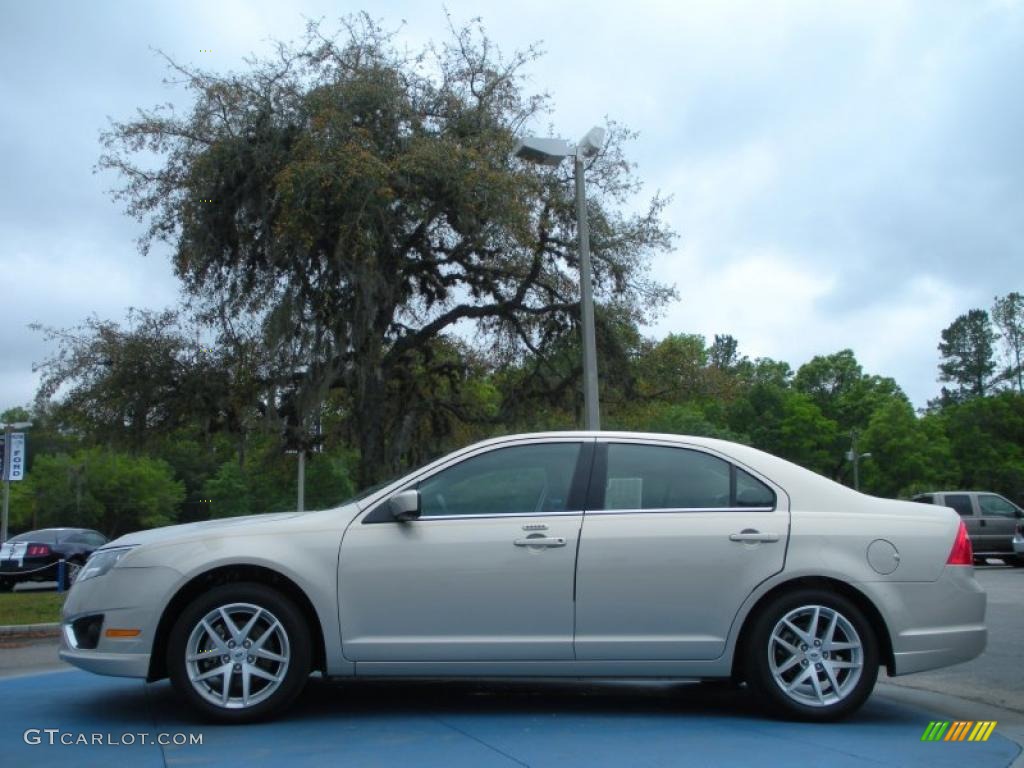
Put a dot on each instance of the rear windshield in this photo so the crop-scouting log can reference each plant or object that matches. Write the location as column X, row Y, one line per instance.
column 924, row 498
column 46, row 536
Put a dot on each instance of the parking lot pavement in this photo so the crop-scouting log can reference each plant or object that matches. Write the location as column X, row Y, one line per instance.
column 475, row 724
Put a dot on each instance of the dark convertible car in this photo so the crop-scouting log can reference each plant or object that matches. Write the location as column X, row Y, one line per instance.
column 33, row 556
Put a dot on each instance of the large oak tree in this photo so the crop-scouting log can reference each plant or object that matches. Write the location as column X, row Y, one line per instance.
column 362, row 203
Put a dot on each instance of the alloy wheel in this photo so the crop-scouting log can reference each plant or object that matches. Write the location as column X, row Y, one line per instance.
column 237, row 655
column 815, row 655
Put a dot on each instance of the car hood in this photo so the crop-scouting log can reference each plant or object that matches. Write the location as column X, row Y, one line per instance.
column 171, row 532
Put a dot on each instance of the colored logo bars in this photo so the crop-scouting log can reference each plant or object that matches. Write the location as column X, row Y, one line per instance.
column 959, row 730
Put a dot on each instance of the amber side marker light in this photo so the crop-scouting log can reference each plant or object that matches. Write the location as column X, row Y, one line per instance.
column 962, row 552
column 123, row 632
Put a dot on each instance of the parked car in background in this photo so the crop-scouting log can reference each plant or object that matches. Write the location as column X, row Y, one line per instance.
column 992, row 521
column 575, row 554
column 34, row 556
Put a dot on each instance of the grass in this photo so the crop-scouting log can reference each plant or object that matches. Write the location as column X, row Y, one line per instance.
column 30, row 607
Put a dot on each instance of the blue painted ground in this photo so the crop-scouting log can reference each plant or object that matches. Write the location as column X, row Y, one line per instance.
column 476, row 725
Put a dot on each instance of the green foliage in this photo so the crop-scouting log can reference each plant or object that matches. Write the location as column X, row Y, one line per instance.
column 907, row 453
column 967, row 349
column 987, row 439
column 96, row 488
column 1008, row 315
column 268, row 485
column 365, row 205
column 227, row 492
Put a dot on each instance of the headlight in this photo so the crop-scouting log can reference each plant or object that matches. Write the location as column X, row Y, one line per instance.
column 101, row 561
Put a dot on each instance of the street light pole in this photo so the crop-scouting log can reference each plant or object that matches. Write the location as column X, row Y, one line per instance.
column 302, row 480
column 855, row 456
column 551, row 152
column 592, row 414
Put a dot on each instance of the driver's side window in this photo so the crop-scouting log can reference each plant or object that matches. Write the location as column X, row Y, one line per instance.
column 521, row 479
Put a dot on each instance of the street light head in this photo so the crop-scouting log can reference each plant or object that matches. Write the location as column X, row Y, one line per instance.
column 592, row 143
column 543, row 151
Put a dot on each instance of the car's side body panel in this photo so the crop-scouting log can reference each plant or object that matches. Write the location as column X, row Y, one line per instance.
column 644, row 576
column 458, row 589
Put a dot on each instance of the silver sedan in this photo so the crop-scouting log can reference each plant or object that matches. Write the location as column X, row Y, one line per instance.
column 575, row 554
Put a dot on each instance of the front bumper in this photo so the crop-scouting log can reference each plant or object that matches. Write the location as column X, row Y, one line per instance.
column 1018, row 544
column 934, row 624
column 126, row 598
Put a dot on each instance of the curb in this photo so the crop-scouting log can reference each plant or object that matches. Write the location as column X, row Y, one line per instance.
column 26, row 631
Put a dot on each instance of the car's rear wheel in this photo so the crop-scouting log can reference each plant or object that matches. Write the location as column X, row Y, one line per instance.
column 6, row 585
column 240, row 652
column 812, row 655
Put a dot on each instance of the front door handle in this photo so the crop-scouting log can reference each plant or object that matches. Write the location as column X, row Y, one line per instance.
column 753, row 536
column 540, row 541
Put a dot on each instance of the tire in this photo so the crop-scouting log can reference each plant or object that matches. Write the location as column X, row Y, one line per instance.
column 775, row 657
column 1016, row 562
column 280, row 633
column 6, row 585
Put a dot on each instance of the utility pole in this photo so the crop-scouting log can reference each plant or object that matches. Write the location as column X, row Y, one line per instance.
column 302, row 480
column 592, row 417
column 855, row 456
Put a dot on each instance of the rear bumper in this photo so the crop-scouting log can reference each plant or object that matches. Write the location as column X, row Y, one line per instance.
column 935, row 624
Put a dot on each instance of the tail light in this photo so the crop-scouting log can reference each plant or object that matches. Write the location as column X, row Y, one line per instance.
column 37, row 550
column 962, row 552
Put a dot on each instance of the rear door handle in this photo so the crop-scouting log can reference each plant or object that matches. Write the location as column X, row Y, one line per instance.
column 541, row 541
column 754, row 536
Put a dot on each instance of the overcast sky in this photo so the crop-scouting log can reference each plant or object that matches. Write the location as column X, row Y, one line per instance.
column 844, row 174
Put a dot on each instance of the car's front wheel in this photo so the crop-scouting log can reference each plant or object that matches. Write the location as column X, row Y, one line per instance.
column 240, row 652
column 813, row 655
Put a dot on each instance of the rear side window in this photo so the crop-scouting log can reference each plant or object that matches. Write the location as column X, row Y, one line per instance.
column 653, row 477
column 961, row 502
column 751, row 492
column 660, row 477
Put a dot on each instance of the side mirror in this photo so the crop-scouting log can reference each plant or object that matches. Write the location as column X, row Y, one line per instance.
column 405, row 506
